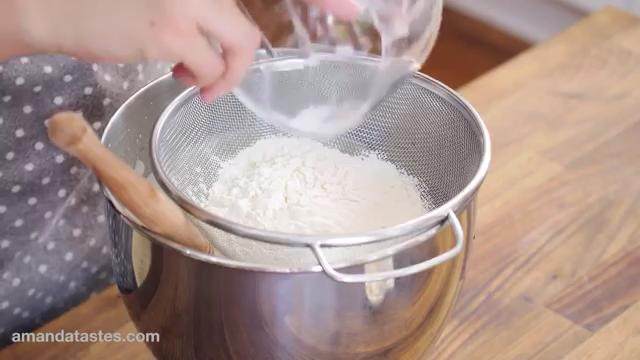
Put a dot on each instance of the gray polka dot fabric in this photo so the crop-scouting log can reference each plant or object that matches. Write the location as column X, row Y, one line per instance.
column 54, row 250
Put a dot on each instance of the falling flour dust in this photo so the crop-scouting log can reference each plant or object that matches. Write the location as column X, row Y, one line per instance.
column 298, row 185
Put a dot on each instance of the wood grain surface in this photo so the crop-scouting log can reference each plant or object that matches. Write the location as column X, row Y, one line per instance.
column 554, row 270
column 467, row 48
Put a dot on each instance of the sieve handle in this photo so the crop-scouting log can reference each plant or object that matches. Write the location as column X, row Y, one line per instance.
column 406, row 271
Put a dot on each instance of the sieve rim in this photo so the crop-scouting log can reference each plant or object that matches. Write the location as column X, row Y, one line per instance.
column 414, row 226
column 253, row 266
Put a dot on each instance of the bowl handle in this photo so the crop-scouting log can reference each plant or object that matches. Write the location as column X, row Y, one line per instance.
column 406, row 271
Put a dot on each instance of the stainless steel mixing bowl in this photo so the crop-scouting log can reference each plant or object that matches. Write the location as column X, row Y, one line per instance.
column 210, row 307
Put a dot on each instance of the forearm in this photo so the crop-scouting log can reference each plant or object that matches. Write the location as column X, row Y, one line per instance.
column 14, row 34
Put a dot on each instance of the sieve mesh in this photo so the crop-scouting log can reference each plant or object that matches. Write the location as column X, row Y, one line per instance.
column 422, row 128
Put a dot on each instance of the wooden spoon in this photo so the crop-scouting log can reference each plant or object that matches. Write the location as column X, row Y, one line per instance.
column 71, row 133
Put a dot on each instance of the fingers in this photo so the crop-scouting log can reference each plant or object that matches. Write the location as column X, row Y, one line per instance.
column 239, row 39
column 201, row 64
column 184, row 75
column 237, row 59
column 347, row 10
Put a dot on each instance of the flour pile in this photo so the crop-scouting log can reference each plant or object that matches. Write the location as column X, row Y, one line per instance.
column 298, row 185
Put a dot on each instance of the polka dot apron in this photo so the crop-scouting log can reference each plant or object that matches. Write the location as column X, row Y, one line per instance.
column 54, row 250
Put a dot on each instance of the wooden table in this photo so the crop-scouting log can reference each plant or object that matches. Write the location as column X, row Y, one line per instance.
column 555, row 269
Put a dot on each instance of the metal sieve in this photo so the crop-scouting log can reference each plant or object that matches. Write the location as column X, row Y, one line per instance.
column 424, row 129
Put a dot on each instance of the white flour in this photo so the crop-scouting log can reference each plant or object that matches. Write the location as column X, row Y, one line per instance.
column 300, row 186
column 321, row 120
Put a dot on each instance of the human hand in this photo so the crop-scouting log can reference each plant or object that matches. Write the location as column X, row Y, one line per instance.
column 179, row 31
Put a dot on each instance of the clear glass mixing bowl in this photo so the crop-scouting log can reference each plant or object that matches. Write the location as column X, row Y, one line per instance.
column 326, row 102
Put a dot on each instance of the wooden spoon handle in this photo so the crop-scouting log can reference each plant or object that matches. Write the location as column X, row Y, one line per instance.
column 72, row 134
